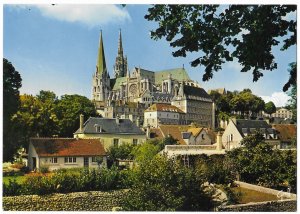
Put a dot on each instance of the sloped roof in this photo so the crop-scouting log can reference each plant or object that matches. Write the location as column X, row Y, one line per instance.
column 156, row 133
column 179, row 74
column 250, row 126
column 196, row 93
column 116, row 83
column 174, row 131
column 110, row 126
column 163, row 107
column 195, row 131
column 49, row 147
column 101, row 65
column 286, row 132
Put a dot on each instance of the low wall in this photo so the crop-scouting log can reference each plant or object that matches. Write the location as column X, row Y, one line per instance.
column 267, row 206
column 79, row 201
column 279, row 194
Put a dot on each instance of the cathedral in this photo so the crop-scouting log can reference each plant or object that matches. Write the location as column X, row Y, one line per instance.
column 140, row 85
column 120, row 95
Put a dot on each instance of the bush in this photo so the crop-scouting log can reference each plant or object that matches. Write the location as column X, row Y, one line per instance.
column 12, row 188
column 165, row 185
column 44, row 169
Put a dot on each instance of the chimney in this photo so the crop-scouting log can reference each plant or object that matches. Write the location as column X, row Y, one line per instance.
column 117, row 120
column 81, row 117
column 219, row 141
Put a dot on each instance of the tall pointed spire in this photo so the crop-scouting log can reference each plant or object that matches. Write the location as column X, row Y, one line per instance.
column 120, row 46
column 101, row 64
column 121, row 62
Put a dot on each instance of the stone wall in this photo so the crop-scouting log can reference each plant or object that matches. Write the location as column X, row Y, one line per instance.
column 289, row 205
column 79, row 201
column 278, row 193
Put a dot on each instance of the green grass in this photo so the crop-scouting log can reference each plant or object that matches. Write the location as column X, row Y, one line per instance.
column 19, row 179
column 248, row 195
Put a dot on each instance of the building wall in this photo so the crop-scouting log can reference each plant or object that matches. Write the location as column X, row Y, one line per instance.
column 283, row 113
column 32, row 153
column 234, row 141
column 203, row 138
column 155, row 118
column 108, row 139
column 45, row 161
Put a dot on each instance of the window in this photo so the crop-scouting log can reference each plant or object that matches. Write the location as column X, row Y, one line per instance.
column 53, row 160
column 95, row 159
column 70, row 159
column 202, row 136
column 134, row 142
column 116, row 142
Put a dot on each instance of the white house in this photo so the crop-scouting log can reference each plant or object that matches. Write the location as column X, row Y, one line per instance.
column 160, row 113
column 57, row 153
column 237, row 129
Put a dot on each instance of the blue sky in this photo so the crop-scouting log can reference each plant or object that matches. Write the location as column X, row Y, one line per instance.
column 55, row 48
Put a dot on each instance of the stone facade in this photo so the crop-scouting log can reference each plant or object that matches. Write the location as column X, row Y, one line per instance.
column 79, row 201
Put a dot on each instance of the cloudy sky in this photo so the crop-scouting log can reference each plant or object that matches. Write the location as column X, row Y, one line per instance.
column 54, row 47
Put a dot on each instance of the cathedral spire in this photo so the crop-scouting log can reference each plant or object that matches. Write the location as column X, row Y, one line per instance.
column 120, row 46
column 121, row 62
column 101, row 65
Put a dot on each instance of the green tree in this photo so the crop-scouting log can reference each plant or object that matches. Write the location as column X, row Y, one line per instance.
column 12, row 82
column 270, row 108
column 223, row 33
column 257, row 162
column 146, row 151
column 68, row 109
column 163, row 184
column 123, row 152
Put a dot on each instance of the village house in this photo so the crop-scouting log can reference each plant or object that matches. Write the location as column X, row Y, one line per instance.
column 160, row 113
column 111, row 131
column 59, row 153
column 199, row 136
column 237, row 129
column 287, row 133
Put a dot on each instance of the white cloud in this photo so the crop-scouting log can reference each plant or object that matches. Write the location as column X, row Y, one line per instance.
column 280, row 99
column 91, row 15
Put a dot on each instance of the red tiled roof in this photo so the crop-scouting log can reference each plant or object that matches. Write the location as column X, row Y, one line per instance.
column 67, row 147
column 174, row 131
column 164, row 107
column 286, row 132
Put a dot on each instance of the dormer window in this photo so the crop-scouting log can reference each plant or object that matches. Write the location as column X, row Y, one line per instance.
column 98, row 128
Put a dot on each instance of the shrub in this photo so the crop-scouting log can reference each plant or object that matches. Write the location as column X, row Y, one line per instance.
column 12, row 188
column 44, row 169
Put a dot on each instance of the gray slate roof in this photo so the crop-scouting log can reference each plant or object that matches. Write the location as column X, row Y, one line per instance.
column 250, row 126
column 109, row 126
column 195, row 92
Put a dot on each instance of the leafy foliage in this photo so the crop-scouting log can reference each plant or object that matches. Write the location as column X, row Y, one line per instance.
column 164, row 185
column 270, row 108
column 258, row 163
column 11, row 85
column 68, row 110
column 72, row 180
column 246, row 33
column 123, row 152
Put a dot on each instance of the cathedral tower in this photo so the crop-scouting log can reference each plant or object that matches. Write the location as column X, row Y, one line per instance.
column 120, row 67
column 101, row 79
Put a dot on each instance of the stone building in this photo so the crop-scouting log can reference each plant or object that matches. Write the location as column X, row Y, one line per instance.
column 197, row 105
column 111, row 131
column 160, row 113
column 140, row 85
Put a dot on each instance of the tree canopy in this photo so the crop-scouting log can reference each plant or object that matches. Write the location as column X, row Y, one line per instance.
column 220, row 33
column 12, row 82
column 270, row 108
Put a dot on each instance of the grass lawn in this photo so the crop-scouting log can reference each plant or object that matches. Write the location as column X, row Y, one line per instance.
column 19, row 179
column 248, row 195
